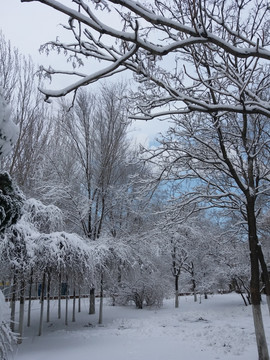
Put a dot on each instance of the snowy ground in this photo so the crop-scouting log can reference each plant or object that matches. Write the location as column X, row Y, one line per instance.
column 218, row 328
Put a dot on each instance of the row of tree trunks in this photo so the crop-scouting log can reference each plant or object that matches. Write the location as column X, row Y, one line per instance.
column 47, row 287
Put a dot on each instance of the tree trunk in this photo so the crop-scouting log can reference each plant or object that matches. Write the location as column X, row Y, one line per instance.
column 79, row 300
column 13, row 303
column 48, row 296
column 36, row 289
column 240, row 291
column 21, row 315
column 255, row 282
column 194, row 291
column 41, row 304
column 101, row 301
column 30, row 299
column 176, row 288
column 119, row 272
column 92, row 305
column 59, row 295
column 74, row 305
column 193, row 283
column 66, row 315
column 265, row 276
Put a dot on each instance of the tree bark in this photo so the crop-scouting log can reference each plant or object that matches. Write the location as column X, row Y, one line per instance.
column 21, row 315
column 255, row 282
column 193, row 283
column 30, row 299
column 240, row 291
column 42, row 304
column 48, row 296
column 66, row 315
column 265, row 276
column 101, row 301
column 79, row 300
column 176, row 288
column 74, row 305
column 59, row 295
column 92, row 307
column 13, row 303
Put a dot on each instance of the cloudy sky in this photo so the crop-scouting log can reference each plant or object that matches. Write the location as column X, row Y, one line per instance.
column 28, row 25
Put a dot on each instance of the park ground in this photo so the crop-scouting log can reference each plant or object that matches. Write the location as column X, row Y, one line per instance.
column 218, row 328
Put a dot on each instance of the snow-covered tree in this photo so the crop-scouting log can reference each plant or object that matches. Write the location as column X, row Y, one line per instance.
column 30, row 114
column 8, row 130
column 11, row 200
column 151, row 36
column 225, row 161
column 225, row 44
column 6, row 336
column 17, row 259
column 96, row 131
column 45, row 218
column 10, row 209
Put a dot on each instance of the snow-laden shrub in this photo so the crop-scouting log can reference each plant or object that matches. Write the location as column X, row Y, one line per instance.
column 46, row 218
column 6, row 335
column 17, row 250
column 11, row 200
column 146, row 290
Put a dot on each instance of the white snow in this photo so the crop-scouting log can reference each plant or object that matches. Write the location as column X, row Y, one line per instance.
column 8, row 130
column 218, row 328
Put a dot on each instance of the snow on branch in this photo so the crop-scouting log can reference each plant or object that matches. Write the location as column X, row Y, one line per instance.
column 8, row 130
column 185, row 50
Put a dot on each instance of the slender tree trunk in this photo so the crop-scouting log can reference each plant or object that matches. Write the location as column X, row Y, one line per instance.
column 193, row 283
column 240, row 291
column 176, row 288
column 79, row 300
column 265, row 276
column 13, row 303
column 92, row 303
column 101, row 301
column 194, row 290
column 48, row 296
column 119, row 272
column 66, row 315
column 255, row 282
column 30, row 299
column 42, row 304
column 101, row 216
column 21, row 314
column 59, row 295
column 36, row 289
column 74, row 305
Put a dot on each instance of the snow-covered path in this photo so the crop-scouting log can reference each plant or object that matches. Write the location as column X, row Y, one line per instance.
column 218, row 328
